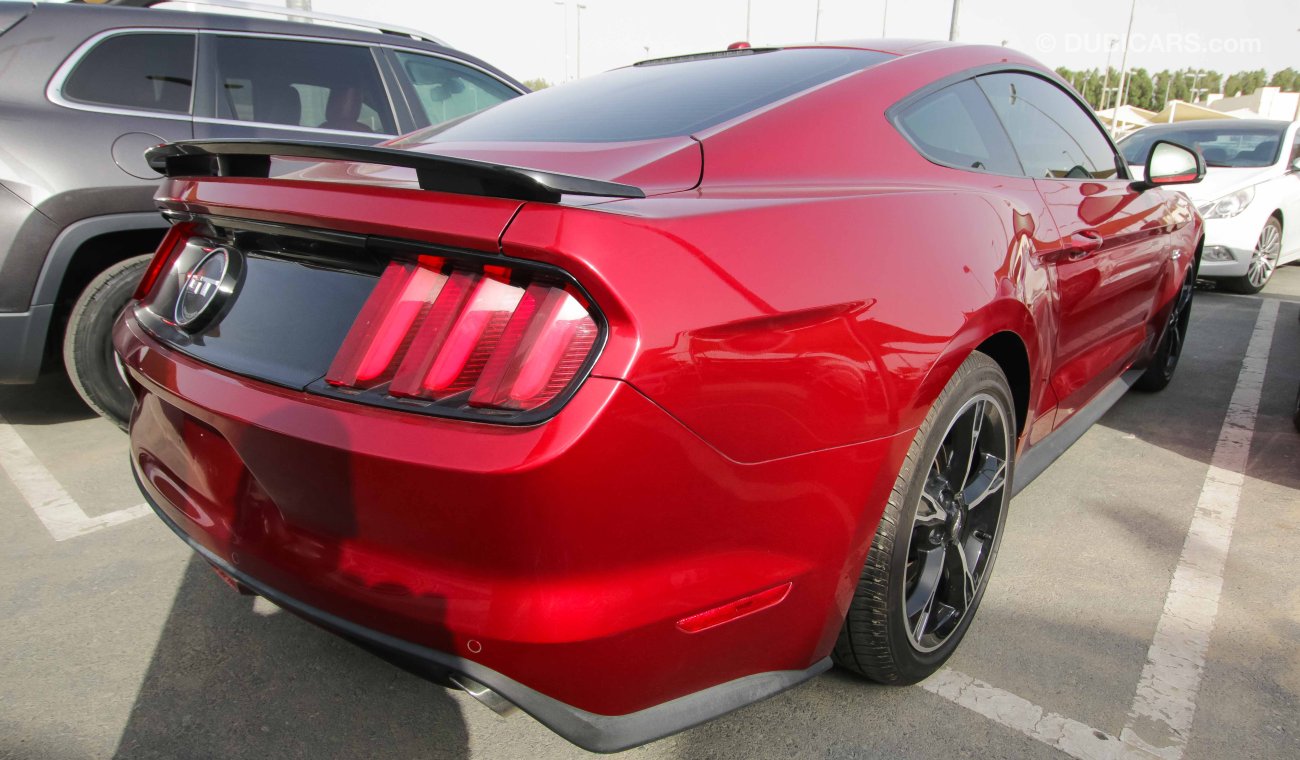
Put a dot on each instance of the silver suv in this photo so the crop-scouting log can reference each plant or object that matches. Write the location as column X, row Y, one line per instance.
column 88, row 88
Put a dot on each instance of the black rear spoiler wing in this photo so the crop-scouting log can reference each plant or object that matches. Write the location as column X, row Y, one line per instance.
column 252, row 158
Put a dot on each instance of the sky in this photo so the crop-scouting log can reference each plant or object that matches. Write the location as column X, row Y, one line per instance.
column 527, row 38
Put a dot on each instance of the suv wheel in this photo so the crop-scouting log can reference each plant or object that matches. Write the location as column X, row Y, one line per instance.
column 88, row 346
column 933, row 552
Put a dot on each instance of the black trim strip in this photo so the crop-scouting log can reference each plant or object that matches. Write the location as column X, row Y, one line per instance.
column 1042, row 454
column 252, row 158
column 590, row 731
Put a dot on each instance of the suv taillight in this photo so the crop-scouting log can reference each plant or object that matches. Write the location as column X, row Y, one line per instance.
column 461, row 337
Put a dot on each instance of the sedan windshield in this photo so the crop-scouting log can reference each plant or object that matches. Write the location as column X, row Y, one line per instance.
column 1224, row 145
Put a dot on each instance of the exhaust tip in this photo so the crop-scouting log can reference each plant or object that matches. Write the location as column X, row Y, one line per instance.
column 492, row 700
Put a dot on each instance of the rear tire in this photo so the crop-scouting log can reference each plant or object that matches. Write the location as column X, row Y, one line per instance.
column 1165, row 361
column 932, row 554
column 1263, row 261
column 88, row 347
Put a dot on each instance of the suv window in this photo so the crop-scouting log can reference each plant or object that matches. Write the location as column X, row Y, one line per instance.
column 319, row 85
column 447, row 90
column 956, row 127
column 148, row 71
column 1054, row 137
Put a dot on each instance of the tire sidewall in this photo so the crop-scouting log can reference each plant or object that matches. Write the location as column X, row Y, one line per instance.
column 87, row 343
column 913, row 665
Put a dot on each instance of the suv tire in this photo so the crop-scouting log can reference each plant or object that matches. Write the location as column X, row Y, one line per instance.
column 87, row 343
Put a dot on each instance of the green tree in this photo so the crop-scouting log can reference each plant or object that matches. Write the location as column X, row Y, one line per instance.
column 536, row 84
column 1137, row 92
column 1288, row 79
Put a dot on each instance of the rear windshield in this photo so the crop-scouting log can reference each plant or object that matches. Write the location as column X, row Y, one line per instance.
column 652, row 100
column 1222, row 144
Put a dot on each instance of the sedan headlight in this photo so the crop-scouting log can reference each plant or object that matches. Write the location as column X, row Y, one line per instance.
column 1229, row 205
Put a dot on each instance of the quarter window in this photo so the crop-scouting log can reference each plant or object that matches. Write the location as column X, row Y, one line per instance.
column 956, row 127
column 1051, row 133
column 140, row 71
column 303, row 84
column 447, row 90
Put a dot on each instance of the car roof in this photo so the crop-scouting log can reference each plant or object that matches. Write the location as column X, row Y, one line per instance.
column 1211, row 123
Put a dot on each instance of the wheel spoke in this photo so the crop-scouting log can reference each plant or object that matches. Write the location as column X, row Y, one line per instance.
column 966, row 578
column 944, row 616
column 973, row 549
column 964, row 440
column 929, row 511
column 927, row 582
column 989, row 479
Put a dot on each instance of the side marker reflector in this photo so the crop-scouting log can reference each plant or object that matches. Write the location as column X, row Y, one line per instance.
column 735, row 610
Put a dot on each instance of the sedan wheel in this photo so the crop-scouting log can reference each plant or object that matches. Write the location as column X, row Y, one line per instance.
column 1262, row 261
column 959, row 514
column 933, row 551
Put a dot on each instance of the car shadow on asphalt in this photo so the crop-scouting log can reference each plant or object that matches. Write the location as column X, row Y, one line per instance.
column 50, row 401
column 228, row 682
column 1187, row 417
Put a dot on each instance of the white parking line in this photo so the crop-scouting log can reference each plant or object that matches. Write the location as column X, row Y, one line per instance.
column 1161, row 718
column 1069, row 736
column 1160, row 721
column 61, row 515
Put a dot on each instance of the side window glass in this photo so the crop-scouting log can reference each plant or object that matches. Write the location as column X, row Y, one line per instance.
column 302, row 84
column 956, row 127
column 447, row 90
column 141, row 71
column 1295, row 150
column 1051, row 133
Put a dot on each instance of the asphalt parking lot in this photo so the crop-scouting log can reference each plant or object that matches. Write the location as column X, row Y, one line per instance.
column 1144, row 598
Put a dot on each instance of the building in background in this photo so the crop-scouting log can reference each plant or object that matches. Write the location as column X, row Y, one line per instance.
column 1264, row 103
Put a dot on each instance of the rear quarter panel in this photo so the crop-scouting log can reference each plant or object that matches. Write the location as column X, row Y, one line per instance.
column 777, row 327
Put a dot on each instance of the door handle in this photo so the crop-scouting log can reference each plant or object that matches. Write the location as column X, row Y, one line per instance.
column 1085, row 243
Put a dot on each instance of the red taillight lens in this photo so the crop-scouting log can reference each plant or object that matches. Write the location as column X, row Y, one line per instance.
column 467, row 337
column 170, row 247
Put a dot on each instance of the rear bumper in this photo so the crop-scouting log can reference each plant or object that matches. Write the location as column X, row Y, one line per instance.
column 530, row 559
column 592, row 732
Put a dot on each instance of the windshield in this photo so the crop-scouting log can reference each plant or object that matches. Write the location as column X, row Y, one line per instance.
column 1226, row 145
column 669, row 98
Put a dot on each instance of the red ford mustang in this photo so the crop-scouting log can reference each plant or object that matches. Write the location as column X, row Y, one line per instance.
column 642, row 398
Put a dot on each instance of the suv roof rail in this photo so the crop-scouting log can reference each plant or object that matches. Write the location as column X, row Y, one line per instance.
column 291, row 14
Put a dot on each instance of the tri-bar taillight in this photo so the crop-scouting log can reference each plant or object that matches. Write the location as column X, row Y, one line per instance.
column 467, row 336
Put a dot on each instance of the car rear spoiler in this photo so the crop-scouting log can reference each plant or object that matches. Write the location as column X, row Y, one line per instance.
column 252, row 158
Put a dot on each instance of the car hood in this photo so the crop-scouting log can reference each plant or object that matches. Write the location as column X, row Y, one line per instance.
column 1220, row 181
column 656, row 166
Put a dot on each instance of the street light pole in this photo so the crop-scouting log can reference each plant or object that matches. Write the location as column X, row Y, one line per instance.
column 952, row 30
column 749, row 12
column 1123, row 64
column 817, row 23
column 1105, row 85
column 884, row 19
column 580, row 8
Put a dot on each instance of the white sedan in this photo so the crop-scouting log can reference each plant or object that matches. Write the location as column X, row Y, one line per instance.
column 1250, row 196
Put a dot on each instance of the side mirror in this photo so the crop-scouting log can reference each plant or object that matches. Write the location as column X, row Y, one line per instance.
column 1295, row 165
column 1171, row 164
